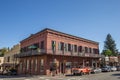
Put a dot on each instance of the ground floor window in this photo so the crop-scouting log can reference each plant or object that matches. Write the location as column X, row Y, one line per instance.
column 41, row 65
column 31, row 65
column 27, row 64
column 21, row 66
column 68, row 65
column 35, row 64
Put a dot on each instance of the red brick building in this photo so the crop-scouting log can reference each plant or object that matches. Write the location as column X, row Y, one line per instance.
column 39, row 51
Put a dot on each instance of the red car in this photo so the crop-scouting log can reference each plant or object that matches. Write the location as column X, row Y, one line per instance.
column 81, row 70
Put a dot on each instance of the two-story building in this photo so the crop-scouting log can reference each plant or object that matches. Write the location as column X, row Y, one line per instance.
column 10, row 61
column 39, row 51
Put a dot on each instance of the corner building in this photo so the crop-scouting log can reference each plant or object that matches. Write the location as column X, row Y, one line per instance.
column 39, row 51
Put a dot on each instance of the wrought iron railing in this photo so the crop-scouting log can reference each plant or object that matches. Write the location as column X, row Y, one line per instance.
column 56, row 52
column 71, row 53
column 31, row 53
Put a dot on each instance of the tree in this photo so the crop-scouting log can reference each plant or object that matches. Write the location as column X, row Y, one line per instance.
column 109, row 44
column 107, row 52
column 3, row 51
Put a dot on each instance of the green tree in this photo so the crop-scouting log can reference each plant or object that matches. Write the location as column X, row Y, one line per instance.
column 109, row 44
column 3, row 51
column 107, row 52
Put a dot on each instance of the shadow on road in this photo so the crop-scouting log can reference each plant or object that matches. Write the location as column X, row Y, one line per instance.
column 15, row 76
column 117, row 74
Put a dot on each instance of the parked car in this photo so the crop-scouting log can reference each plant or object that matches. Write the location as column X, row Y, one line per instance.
column 81, row 70
column 106, row 69
column 13, row 72
column 9, row 72
column 0, row 72
column 113, row 68
column 96, row 70
column 6, row 72
column 118, row 68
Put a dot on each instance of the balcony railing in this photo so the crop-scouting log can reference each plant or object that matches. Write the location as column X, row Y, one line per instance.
column 31, row 53
column 69, row 53
column 56, row 52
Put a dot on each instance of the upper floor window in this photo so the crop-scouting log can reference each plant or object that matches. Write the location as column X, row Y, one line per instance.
column 8, row 59
column 86, row 50
column 95, row 51
column 90, row 50
column 36, row 45
column 80, row 49
column 61, row 46
column 53, row 45
column 75, row 48
column 69, row 47
column 66, row 47
column 42, row 45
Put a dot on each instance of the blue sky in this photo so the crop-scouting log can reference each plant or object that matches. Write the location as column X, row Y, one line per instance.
column 91, row 19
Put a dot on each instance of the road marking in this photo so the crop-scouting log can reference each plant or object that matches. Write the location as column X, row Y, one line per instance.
column 41, row 77
column 26, row 79
column 71, row 79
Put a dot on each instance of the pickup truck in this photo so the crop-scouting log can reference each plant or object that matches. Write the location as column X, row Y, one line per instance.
column 81, row 70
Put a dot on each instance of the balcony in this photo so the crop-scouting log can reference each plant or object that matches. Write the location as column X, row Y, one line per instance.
column 68, row 53
column 56, row 52
column 31, row 53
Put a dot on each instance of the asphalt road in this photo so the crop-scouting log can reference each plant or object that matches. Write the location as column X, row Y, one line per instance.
column 99, row 76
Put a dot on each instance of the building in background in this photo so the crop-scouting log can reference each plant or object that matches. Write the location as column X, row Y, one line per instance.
column 10, row 61
column 119, row 60
column 1, row 62
column 50, row 49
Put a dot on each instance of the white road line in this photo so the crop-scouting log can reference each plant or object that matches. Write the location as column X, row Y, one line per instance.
column 41, row 77
column 71, row 79
column 26, row 79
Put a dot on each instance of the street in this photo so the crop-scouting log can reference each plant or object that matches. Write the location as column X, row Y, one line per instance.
column 99, row 76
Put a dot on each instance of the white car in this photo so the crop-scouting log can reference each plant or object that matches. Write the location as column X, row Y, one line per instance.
column 96, row 70
column 113, row 68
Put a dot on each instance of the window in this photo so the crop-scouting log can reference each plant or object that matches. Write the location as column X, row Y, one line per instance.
column 80, row 49
column 31, row 65
column 35, row 64
column 53, row 45
column 69, row 47
column 95, row 51
column 68, row 65
column 27, row 64
column 75, row 48
column 21, row 66
column 61, row 46
column 66, row 47
column 86, row 50
column 8, row 60
column 41, row 65
column 90, row 51
column 36, row 45
column 42, row 45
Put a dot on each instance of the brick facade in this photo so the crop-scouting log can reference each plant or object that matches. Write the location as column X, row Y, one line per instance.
column 65, row 50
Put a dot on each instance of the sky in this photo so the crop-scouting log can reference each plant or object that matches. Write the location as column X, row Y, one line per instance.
column 90, row 19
